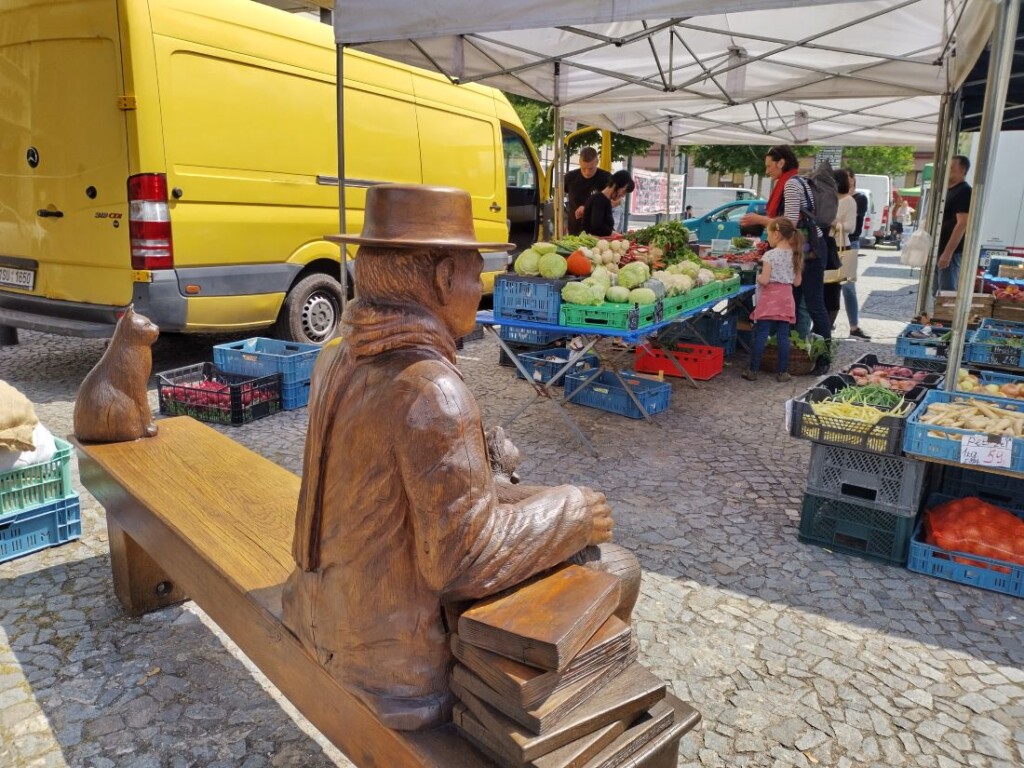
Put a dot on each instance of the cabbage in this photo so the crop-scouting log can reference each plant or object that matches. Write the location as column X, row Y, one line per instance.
column 617, row 294
column 704, row 277
column 552, row 266
column 597, row 288
column 634, row 274
column 689, row 268
column 528, row 263
column 585, row 295
column 685, row 284
column 543, row 248
column 657, row 287
column 642, row 296
column 602, row 275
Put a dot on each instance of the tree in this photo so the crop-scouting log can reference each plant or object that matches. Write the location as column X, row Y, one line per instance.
column 747, row 159
column 886, row 161
column 537, row 118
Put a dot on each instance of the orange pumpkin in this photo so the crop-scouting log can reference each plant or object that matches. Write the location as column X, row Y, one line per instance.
column 579, row 264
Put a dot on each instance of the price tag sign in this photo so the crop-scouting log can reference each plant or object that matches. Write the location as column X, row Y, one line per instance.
column 987, row 450
column 1001, row 354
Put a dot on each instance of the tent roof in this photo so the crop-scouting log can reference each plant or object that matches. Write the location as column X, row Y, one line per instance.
column 722, row 71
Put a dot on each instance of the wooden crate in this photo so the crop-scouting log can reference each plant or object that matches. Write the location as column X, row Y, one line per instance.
column 945, row 304
column 1008, row 310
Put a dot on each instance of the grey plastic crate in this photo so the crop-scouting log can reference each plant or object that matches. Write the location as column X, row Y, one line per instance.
column 888, row 483
column 938, row 366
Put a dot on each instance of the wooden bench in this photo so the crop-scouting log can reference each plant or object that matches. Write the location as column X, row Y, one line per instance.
column 191, row 514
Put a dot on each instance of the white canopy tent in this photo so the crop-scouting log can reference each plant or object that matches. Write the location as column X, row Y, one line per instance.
column 731, row 72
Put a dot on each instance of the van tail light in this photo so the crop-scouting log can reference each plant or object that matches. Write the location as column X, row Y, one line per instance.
column 149, row 222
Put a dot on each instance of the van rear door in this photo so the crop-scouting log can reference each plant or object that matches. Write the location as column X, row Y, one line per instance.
column 63, row 152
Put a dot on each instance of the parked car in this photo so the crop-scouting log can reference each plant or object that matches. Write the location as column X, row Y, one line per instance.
column 723, row 223
column 706, row 199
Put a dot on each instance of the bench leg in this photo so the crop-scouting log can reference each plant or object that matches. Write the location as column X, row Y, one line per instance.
column 139, row 583
column 8, row 335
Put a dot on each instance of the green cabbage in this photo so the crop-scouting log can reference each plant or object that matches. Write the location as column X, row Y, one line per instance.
column 552, row 266
column 617, row 294
column 602, row 275
column 634, row 274
column 642, row 296
column 689, row 268
column 585, row 295
column 543, row 248
column 528, row 263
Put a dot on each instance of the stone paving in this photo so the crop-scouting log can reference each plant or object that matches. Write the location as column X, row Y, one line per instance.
column 794, row 655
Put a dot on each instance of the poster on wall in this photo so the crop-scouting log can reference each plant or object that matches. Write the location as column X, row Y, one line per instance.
column 650, row 196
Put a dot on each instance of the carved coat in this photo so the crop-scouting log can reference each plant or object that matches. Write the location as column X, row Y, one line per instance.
column 398, row 513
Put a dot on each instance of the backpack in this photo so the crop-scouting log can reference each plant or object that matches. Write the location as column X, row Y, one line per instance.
column 826, row 195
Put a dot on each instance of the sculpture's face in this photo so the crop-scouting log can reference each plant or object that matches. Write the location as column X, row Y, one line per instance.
column 460, row 313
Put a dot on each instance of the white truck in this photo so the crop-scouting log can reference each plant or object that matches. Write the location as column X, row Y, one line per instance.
column 1002, row 222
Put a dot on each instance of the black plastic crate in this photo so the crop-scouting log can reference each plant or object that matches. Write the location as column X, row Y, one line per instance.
column 930, row 380
column 885, row 436
column 207, row 393
column 856, row 529
column 519, row 348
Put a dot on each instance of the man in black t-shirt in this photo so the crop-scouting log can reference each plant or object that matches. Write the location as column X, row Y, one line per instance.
column 862, row 210
column 954, row 224
column 580, row 185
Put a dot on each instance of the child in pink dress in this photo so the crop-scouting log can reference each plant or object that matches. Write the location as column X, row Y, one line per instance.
column 776, row 311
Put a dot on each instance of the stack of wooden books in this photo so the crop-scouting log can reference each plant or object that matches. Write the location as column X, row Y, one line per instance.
column 547, row 676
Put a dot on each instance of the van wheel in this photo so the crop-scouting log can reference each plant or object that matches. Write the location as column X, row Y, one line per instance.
column 311, row 310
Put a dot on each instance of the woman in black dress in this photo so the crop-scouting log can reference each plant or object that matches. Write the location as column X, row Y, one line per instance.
column 597, row 214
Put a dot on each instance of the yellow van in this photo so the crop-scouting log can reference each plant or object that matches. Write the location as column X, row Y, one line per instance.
column 182, row 155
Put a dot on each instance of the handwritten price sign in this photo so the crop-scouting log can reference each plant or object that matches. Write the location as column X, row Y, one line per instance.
column 987, row 450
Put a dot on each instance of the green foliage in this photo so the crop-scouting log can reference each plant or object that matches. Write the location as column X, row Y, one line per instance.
column 536, row 117
column 740, row 158
column 886, row 161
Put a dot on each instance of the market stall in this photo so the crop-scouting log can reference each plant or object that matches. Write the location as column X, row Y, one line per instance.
column 647, row 291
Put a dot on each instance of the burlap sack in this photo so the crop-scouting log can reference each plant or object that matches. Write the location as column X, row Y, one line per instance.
column 17, row 420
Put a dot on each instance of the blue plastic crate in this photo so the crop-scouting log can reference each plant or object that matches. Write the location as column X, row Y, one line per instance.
column 717, row 330
column 542, row 368
column 914, row 350
column 982, row 346
column 295, row 395
column 606, row 393
column 923, row 440
column 530, row 336
column 1001, row 490
column 980, row 572
column 262, row 357
column 519, row 297
column 47, row 525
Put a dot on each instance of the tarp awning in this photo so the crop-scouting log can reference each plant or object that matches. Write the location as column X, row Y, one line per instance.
column 731, row 71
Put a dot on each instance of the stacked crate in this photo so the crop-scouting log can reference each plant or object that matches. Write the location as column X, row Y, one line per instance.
column 38, row 507
column 533, row 299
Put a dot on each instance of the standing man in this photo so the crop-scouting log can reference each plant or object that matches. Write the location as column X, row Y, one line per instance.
column 580, row 184
column 954, row 223
column 862, row 210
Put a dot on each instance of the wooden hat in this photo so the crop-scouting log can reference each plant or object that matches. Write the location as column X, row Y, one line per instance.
column 419, row 216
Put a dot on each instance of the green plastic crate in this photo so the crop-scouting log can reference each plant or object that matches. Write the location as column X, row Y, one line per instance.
column 728, row 287
column 37, row 484
column 615, row 316
column 690, row 301
column 856, row 529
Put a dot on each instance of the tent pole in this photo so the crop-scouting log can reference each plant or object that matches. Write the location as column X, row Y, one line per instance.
column 668, row 178
column 341, row 173
column 559, row 206
column 1000, row 63
column 945, row 146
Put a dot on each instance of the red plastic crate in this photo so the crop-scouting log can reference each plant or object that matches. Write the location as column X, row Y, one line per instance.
column 700, row 362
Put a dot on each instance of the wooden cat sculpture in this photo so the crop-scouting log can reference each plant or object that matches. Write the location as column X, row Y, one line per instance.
column 112, row 404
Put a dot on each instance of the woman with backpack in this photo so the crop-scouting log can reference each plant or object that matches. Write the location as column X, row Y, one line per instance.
column 790, row 194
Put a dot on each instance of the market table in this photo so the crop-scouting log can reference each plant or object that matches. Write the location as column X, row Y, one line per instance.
column 590, row 336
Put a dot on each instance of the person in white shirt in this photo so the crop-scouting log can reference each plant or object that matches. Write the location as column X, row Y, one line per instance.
column 846, row 222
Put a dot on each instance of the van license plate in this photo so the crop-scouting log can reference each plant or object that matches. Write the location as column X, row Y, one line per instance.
column 18, row 278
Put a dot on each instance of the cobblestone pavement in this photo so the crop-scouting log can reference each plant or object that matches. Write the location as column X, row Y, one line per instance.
column 794, row 655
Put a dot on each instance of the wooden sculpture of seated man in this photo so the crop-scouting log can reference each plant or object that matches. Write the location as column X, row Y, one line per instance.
column 399, row 512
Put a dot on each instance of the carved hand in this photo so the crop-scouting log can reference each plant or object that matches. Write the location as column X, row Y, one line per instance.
column 601, row 516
